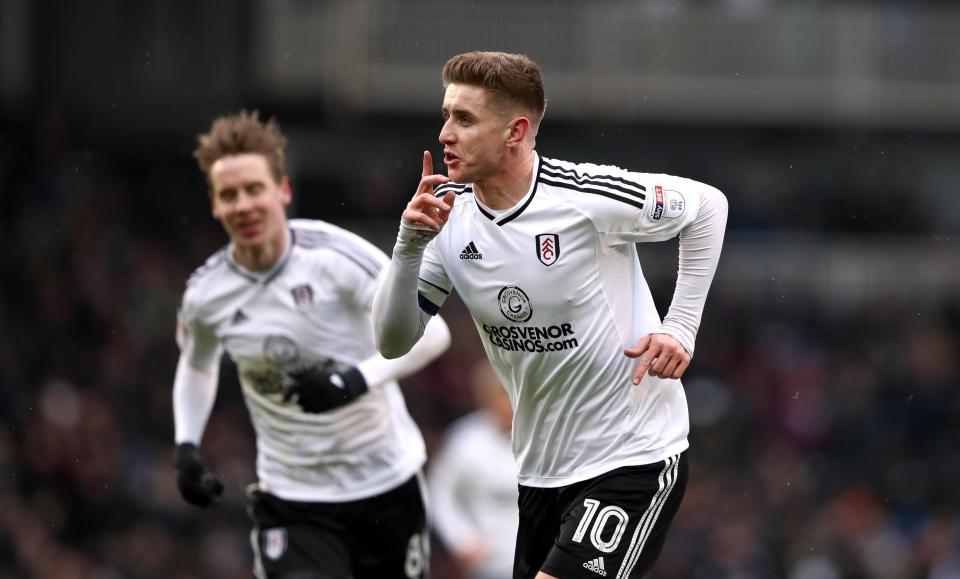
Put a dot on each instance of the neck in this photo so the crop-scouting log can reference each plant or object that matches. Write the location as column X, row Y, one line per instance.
column 262, row 257
column 505, row 189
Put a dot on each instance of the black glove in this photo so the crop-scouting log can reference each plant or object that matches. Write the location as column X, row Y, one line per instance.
column 196, row 483
column 318, row 390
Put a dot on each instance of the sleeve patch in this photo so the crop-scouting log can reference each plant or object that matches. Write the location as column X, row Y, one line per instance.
column 656, row 208
column 675, row 204
column 669, row 204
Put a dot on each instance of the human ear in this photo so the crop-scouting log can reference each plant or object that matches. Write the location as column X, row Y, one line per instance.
column 518, row 130
column 286, row 191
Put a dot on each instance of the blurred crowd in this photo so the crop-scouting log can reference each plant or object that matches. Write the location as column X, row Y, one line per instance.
column 824, row 441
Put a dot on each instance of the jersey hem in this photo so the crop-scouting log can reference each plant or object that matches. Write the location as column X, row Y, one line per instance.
column 400, row 477
column 545, row 482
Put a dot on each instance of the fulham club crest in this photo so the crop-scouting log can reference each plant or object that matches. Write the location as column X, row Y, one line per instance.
column 302, row 295
column 548, row 248
column 274, row 542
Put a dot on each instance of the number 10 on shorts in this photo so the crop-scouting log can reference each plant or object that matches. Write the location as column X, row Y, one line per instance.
column 596, row 530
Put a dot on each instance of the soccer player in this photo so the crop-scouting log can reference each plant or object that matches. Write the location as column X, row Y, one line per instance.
column 340, row 489
column 542, row 253
column 473, row 483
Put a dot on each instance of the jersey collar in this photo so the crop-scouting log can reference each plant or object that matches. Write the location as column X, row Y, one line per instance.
column 502, row 218
column 263, row 277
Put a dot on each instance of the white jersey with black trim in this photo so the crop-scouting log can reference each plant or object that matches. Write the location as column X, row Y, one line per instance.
column 555, row 288
column 313, row 307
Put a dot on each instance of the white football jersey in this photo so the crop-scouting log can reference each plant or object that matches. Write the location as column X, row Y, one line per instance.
column 555, row 289
column 313, row 307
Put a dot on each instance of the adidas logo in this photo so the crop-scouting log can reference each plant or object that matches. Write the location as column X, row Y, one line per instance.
column 596, row 566
column 470, row 252
column 239, row 318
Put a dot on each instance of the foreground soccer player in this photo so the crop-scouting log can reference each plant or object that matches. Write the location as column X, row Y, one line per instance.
column 542, row 253
column 338, row 456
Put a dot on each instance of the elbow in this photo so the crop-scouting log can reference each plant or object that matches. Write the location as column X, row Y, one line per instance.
column 719, row 201
column 386, row 339
column 391, row 353
column 390, row 347
column 712, row 213
column 391, row 350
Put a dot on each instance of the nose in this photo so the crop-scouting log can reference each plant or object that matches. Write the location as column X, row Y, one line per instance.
column 244, row 202
column 446, row 134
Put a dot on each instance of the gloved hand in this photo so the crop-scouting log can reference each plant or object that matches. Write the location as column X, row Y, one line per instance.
column 197, row 484
column 318, row 390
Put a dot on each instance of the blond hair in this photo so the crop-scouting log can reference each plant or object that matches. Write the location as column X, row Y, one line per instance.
column 242, row 133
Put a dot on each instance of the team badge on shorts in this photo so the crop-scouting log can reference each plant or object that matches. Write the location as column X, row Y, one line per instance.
column 548, row 248
column 302, row 295
column 274, row 543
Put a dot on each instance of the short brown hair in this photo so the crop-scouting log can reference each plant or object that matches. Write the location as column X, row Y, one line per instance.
column 514, row 76
column 242, row 133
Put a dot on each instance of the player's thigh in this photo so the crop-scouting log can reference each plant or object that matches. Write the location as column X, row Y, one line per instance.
column 616, row 525
column 392, row 539
column 285, row 546
column 540, row 517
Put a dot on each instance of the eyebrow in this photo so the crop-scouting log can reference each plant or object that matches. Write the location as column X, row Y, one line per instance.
column 455, row 110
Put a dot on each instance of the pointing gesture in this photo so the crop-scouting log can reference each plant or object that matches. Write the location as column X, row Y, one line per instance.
column 426, row 210
column 661, row 355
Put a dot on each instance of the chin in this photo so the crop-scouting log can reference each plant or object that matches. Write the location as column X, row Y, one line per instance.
column 458, row 176
column 247, row 242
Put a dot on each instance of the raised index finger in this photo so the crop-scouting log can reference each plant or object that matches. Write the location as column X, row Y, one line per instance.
column 427, row 163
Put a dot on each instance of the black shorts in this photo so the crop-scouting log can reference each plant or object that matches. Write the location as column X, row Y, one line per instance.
column 613, row 525
column 381, row 537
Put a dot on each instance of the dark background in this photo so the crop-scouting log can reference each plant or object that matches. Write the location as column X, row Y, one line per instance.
column 824, row 393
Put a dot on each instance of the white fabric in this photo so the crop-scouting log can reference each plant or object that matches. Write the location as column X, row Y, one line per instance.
column 473, row 489
column 378, row 370
column 392, row 335
column 194, row 392
column 313, row 307
column 699, row 244
column 554, row 326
